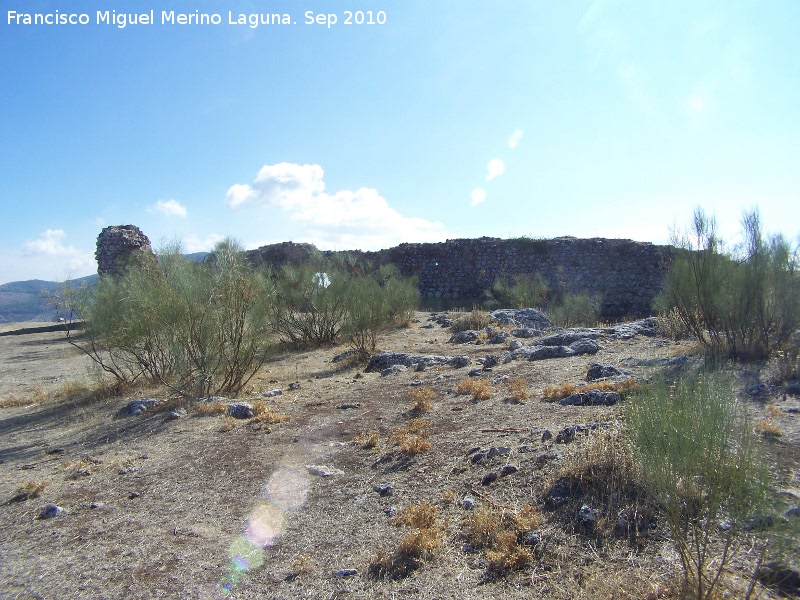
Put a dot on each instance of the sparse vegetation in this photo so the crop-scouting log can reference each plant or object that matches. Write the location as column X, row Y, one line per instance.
column 553, row 393
column 413, row 438
column 32, row 489
column 741, row 302
column 700, row 461
column 499, row 532
column 575, row 310
column 479, row 389
column 422, row 398
column 518, row 388
column 476, row 320
column 521, row 291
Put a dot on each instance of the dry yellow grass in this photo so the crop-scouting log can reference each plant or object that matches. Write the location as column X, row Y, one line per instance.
column 413, row 438
column 264, row 414
column 32, row 489
column 498, row 532
column 34, row 397
column 554, row 393
column 766, row 428
column 207, row 409
column 368, row 440
column 478, row 388
column 422, row 399
column 518, row 388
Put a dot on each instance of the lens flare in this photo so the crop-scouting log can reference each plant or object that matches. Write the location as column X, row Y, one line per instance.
column 264, row 525
column 287, row 488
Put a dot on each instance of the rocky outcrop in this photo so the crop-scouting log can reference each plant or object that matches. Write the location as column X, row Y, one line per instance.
column 117, row 245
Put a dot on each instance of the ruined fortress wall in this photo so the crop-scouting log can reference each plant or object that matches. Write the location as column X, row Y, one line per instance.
column 627, row 275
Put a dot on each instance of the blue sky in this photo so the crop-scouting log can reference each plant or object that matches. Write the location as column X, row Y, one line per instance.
column 610, row 118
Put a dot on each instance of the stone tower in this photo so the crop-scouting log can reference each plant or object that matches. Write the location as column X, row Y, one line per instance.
column 115, row 246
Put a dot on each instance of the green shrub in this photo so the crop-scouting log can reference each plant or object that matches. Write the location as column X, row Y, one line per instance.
column 474, row 320
column 700, row 460
column 575, row 310
column 742, row 303
column 521, row 291
column 197, row 328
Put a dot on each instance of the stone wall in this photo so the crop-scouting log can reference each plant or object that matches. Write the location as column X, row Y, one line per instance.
column 627, row 275
column 116, row 244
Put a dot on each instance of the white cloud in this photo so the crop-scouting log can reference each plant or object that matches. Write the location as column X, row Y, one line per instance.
column 50, row 252
column 496, row 167
column 169, row 208
column 513, row 141
column 194, row 243
column 358, row 219
column 478, row 195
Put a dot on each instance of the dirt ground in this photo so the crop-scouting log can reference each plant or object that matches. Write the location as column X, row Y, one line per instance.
column 200, row 507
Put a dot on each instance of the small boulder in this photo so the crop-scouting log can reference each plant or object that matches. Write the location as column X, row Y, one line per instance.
column 241, row 410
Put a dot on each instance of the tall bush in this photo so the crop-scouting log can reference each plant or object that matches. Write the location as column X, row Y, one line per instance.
column 742, row 302
column 198, row 328
column 700, row 460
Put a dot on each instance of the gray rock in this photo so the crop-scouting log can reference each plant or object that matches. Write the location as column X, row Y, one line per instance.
column 597, row 371
column 384, row 360
column 498, row 451
column 591, row 398
column 508, row 470
column 525, row 332
column 490, row 361
column 323, row 470
column 547, row 435
column 498, row 338
column 272, row 393
column 587, row 517
column 499, row 379
column 241, row 410
column 468, row 503
column 793, row 388
column 176, row 414
column 136, row 407
column 514, row 345
column 463, row 337
column 294, row 386
column 393, row 369
column 524, row 317
column 793, row 512
column 345, row 573
column 384, row 489
column 343, row 355
column 565, row 337
column 348, row 405
column 50, row 511
column 475, row 372
column 489, row 478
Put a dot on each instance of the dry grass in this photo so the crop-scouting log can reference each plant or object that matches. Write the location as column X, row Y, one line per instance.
column 554, row 393
column 500, row 533
column 209, row 409
column 422, row 399
column 767, row 429
column 368, row 440
column 32, row 489
column 264, row 414
column 478, row 388
column 425, row 538
column 413, row 438
column 34, row 397
column 518, row 388
column 473, row 320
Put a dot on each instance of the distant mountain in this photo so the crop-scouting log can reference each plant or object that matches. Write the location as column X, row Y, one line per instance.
column 27, row 301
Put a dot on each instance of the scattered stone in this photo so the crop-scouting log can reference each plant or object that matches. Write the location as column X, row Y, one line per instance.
column 384, row 490
column 94, row 505
column 541, row 352
column 468, row 502
column 533, row 539
column 126, row 470
column 758, row 522
column 499, row 379
column 472, row 450
column 54, row 451
column 490, row 361
column 506, row 357
column 175, row 414
column 499, row 338
column 323, row 470
column 793, row 388
column 296, row 385
column 419, row 367
column 489, row 478
column 348, row 405
column 50, row 511
column 478, row 457
column 563, row 489
column 547, row 435
column 345, row 573
column 778, row 575
column 526, row 449
column 272, row 393
column 241, row 410
column 136, row 407
column 463, row 337
column 416, row 383
column 793, row 512
column 391, row 511
column 514, row 345
column 597, row 371
column 524, row 332
column 587, row 517
column 758, row 389
column 524, row 317
column 343, row 355
column 498, row 451
column 591, row 398
column 508, row 470
column 133, row 495
column 475, row 372
column 568, row 434
column 565, row 337
column 393, row 369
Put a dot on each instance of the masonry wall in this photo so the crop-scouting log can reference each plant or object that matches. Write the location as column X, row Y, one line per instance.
column 627, row 275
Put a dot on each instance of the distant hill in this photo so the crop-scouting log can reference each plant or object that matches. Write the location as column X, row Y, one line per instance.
column 26, row 300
